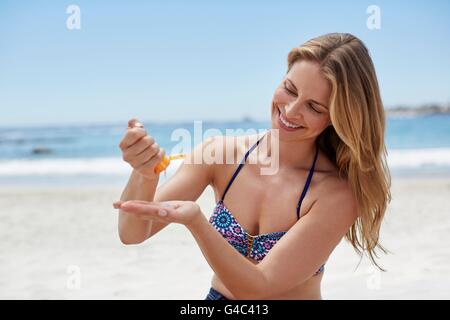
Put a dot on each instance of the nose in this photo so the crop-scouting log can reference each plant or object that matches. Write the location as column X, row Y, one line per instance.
column 293, row 110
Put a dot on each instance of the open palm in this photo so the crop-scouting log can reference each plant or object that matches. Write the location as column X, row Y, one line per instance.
column 183, row 212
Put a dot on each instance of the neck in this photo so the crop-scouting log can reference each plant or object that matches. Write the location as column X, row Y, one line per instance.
column 292, row 154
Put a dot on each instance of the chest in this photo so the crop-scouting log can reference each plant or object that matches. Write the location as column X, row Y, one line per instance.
column 263, row 203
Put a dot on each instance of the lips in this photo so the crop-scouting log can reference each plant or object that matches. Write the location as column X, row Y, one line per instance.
column 285, row 124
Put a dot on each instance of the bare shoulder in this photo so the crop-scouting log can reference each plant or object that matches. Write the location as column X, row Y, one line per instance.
column 231, row 147
column 227, row 152
column 336, row 193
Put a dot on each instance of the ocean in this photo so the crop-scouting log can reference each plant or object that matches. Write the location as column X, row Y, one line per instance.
column 89, row 154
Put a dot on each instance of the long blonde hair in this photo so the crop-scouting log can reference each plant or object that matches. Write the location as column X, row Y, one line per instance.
column 355, row 140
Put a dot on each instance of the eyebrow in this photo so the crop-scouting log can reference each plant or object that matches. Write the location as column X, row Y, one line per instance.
column 320, row 104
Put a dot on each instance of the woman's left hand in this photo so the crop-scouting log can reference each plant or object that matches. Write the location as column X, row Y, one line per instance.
column 183, row 212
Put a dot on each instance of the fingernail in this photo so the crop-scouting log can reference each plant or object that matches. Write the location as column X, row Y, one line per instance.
column 162, row 213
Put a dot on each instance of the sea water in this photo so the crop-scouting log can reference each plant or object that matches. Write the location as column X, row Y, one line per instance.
column 90, row 154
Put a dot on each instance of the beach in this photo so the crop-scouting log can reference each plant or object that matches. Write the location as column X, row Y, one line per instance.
column 75, row 85
column 61, row 242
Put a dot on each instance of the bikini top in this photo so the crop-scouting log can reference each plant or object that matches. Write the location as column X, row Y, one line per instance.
column 253, row 246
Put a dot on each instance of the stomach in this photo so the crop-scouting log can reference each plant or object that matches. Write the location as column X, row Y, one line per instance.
column 308, row 290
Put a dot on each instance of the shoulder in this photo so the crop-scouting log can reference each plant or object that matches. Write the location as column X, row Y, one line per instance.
column 225, row 152
column 230, row 146
column 337, row 198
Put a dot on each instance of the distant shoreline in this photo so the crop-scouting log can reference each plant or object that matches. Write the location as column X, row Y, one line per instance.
column 402, row 110
column 428, row 109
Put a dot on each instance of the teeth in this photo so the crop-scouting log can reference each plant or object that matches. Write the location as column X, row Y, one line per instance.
column 288, row 124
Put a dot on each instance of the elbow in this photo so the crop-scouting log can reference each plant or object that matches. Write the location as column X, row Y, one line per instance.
column 250, row 295
column 127, row 239
column 259, row 292
column 128, row 234
column 247, row 296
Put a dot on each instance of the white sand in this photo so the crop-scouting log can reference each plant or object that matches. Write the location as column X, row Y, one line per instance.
column 48, row 234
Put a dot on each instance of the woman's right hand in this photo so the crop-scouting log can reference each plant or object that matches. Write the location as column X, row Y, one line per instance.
column 141, row 150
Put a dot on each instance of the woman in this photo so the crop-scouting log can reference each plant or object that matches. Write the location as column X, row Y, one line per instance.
column 332, row 181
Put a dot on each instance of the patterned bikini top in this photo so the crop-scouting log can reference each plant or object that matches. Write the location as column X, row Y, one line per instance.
column 255, row 247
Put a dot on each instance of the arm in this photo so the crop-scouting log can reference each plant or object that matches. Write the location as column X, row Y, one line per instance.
column 239, row 275
column 293, row 260
column 188, row 183
column 131, row 229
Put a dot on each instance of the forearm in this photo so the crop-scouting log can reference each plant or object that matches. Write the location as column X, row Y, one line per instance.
column 244, row 279
column 132, row 229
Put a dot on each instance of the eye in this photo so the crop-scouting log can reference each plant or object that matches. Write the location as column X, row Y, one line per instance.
column 312, row 107
column 292, row 93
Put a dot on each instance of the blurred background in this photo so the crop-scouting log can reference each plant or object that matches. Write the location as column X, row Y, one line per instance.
column 73, row 73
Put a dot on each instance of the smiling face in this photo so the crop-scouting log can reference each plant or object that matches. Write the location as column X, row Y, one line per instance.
column 300, row 103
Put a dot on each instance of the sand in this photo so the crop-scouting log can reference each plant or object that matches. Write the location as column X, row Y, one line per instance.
column 62, row 243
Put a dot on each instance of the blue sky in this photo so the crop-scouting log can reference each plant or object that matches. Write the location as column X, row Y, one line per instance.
column 197, row 60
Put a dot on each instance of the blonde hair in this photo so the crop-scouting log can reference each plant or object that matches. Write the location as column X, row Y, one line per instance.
column 355, row 140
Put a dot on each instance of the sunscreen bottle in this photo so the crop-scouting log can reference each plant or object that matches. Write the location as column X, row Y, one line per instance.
column 166, row 161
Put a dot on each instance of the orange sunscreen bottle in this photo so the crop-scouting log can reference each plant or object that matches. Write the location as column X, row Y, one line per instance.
column 166, row 161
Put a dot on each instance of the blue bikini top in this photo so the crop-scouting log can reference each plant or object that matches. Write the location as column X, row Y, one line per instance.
column 253, row 246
